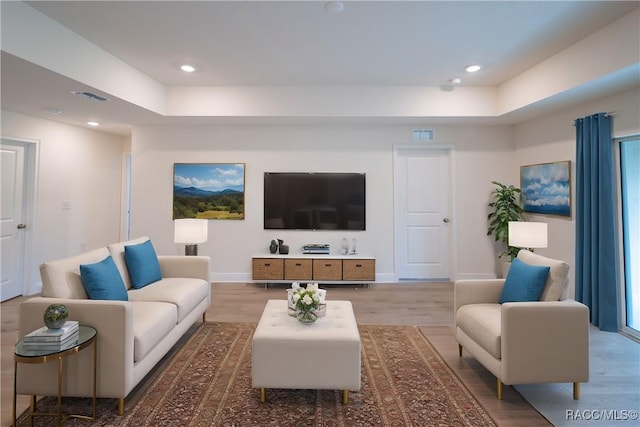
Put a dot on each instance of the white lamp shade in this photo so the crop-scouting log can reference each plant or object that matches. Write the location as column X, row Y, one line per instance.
column 527, row 234
column 191, row 231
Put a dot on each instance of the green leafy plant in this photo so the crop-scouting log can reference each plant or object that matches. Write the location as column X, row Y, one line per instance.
column 505, row 205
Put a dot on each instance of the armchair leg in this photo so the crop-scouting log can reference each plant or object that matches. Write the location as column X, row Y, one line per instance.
column 499, row 387
column 576, row 391
column 459, row 350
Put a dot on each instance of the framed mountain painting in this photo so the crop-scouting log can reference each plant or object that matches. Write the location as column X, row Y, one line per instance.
column 546, row 188
column 208, row 190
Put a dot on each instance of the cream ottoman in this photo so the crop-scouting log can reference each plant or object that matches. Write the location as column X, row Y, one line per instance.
column 321, row 355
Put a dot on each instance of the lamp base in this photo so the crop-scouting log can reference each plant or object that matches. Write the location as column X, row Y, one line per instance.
column 191, row 249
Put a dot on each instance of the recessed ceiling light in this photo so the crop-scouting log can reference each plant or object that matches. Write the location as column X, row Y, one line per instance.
column 456, row 81
column 188, row 68
column 54, row 111
column 472, row 68
column 334, row 7
column 93, row 123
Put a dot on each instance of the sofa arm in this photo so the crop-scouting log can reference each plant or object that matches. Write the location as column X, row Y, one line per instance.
column 545, row 341
column 185, row 266
column 476, row 291
column 113, row 321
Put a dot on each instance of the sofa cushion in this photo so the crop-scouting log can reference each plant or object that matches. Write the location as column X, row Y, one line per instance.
column 102, row 280
column 482, row 323
column 142, row 264
column 185, row 293
column 524, row 282
column 61, row 278
column 558, row 280
column 117, row 253
column 152, row 321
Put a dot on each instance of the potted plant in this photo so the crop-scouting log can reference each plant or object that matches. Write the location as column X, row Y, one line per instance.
column 505, row 205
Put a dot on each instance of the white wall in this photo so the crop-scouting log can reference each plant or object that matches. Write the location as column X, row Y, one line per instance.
column 481, row 154
column 552, row 138
column 78, row 166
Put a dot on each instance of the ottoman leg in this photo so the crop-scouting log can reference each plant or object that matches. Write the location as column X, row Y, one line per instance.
column 345, row 397
column 263, row 394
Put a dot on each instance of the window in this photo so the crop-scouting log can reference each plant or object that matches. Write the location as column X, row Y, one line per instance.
column 629, row 149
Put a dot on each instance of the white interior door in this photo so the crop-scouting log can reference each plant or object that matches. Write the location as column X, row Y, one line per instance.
column 12, row 220
column 422, row 207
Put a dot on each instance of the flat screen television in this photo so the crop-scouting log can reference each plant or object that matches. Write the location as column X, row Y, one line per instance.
column 314, row 201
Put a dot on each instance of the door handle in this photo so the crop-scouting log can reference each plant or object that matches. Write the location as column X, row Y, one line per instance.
column 445, row 220
column 21, row 226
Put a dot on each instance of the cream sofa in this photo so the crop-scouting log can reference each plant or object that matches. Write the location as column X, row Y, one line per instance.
column 544, row 341
column 132, row 335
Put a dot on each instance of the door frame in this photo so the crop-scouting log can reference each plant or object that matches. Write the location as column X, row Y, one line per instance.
column 453, row 233
column 30, row 272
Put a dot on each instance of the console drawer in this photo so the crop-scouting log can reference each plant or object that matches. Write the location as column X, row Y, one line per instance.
column 359, row 269
column 298, row 269
column 267, row 269
column 327, row 269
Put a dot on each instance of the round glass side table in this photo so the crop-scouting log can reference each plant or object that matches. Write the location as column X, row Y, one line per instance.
column 87, row 336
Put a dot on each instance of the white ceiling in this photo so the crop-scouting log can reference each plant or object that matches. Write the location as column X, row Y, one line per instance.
column 298, row 43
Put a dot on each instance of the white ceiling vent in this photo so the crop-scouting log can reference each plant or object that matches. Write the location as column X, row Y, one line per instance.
column 423, row 135
column 88, row 95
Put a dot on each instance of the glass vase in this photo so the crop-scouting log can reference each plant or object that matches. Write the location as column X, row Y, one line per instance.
column 306, row 316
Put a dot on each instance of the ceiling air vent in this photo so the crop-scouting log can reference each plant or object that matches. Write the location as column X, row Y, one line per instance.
column 422, row 135
column 88, row 95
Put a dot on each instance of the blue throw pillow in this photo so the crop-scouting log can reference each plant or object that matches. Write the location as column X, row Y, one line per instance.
column 102, row 280
column 524, row 282
column 142, row 263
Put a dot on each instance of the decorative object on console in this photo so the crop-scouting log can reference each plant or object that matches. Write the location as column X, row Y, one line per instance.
column 354, row 250
column 316, row 248
column 306, row 301
column 344, row 249
column 191, row 231
column 55, row 316
column 282, row 248
column 273, row 247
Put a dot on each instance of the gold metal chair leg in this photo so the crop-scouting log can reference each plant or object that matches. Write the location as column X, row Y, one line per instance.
column 576, row 391
column 499, row 386
column 263, row 394
column 459, row 350
column 121, row 406
column 345, row 397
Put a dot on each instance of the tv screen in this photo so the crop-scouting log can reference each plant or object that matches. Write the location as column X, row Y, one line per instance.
column 314, row 201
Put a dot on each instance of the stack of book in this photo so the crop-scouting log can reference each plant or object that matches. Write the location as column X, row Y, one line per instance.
column 315, row 248
column 53, row 339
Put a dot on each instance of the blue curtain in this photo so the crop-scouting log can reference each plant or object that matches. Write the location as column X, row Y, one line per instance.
column 596, row 239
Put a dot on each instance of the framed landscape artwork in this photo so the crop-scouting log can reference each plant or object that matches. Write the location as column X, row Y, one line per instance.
column 208, row 190
column 546, row 188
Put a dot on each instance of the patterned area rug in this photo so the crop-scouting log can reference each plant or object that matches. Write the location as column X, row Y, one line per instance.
column 207, row 382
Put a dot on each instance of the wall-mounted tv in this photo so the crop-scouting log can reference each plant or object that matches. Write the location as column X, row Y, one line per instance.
column 314, row 201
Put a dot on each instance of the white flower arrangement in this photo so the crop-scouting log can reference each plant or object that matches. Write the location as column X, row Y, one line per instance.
column 305, row 299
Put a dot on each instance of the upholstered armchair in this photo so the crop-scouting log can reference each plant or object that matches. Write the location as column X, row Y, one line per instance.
column 544, row 339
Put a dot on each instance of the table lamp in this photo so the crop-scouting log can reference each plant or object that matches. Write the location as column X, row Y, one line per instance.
column 191, row 232
column 527, row 235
